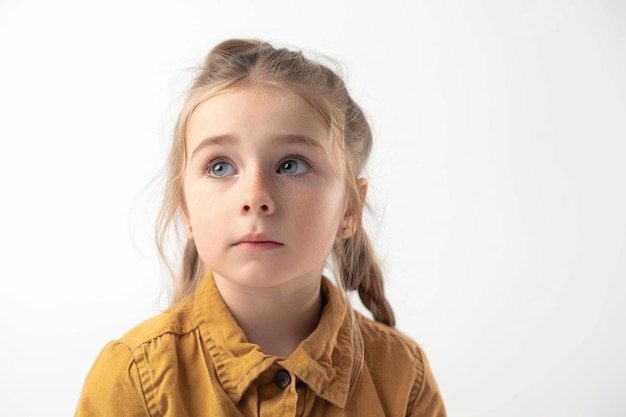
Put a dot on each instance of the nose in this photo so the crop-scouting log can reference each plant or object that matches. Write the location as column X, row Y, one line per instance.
column 257, row 196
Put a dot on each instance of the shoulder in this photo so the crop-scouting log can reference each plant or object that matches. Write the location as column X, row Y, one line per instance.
column 397, row 362
column 382, row 339
column 389, row 353
column 161, row 330
column 149, row 341
column 113, row 385
column 174, row 322
column 120, row 380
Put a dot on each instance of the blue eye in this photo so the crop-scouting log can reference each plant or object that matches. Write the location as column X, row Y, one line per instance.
column 221, row 169
column 293, row 167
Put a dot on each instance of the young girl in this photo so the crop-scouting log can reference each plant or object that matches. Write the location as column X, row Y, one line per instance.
column 264, row 178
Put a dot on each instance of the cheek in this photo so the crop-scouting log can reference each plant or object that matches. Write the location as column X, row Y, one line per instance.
column 201, row 208
column 319, row 213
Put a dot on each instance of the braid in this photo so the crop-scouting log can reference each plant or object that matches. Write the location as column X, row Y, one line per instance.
column 359, row 270
column 358, row 266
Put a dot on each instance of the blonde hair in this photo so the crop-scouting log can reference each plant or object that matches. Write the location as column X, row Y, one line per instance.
column 238, row 62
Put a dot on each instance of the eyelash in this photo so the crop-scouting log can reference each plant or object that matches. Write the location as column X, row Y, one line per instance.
column 298, row 158
column 212, row 162
column 207, row 167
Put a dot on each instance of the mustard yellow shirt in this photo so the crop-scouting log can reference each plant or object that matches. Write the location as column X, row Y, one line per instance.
column 195, row 361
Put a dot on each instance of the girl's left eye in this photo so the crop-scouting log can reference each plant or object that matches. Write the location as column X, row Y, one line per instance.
column 293, row 167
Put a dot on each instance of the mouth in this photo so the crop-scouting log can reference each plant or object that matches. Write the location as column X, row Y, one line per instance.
column 256, row 243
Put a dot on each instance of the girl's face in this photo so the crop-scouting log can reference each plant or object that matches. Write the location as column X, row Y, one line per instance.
column 264, row 200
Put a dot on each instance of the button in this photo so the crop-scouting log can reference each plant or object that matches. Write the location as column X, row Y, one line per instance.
column 282, row 379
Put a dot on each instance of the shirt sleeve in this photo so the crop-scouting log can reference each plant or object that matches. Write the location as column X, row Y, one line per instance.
column 112, row 387
column 425, row 399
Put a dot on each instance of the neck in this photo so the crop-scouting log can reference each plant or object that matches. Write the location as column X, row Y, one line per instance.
column 276, row 320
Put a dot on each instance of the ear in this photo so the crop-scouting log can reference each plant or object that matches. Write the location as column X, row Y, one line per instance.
column 363, row 186
column 348, row 226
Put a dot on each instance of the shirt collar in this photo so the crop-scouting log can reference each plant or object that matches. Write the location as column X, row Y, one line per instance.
column 323, row 360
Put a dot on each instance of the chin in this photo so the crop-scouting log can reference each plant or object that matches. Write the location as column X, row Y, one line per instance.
column 264, row 279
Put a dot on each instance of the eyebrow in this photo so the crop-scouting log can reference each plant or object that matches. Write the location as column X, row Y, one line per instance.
column 213, row 141
column 284, row 139
column 289, row 139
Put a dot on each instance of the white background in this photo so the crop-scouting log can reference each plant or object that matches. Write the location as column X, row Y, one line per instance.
column 498, row 183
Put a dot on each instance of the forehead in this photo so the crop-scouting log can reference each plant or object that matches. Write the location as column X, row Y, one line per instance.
column 255, row 112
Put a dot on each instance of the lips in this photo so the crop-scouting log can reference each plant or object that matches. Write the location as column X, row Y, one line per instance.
column 256, row 242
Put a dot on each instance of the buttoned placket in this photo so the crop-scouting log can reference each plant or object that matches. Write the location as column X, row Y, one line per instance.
column 277, row 392
column 250, row 378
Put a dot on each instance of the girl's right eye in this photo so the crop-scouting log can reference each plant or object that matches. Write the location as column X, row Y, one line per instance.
column 220, row 169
